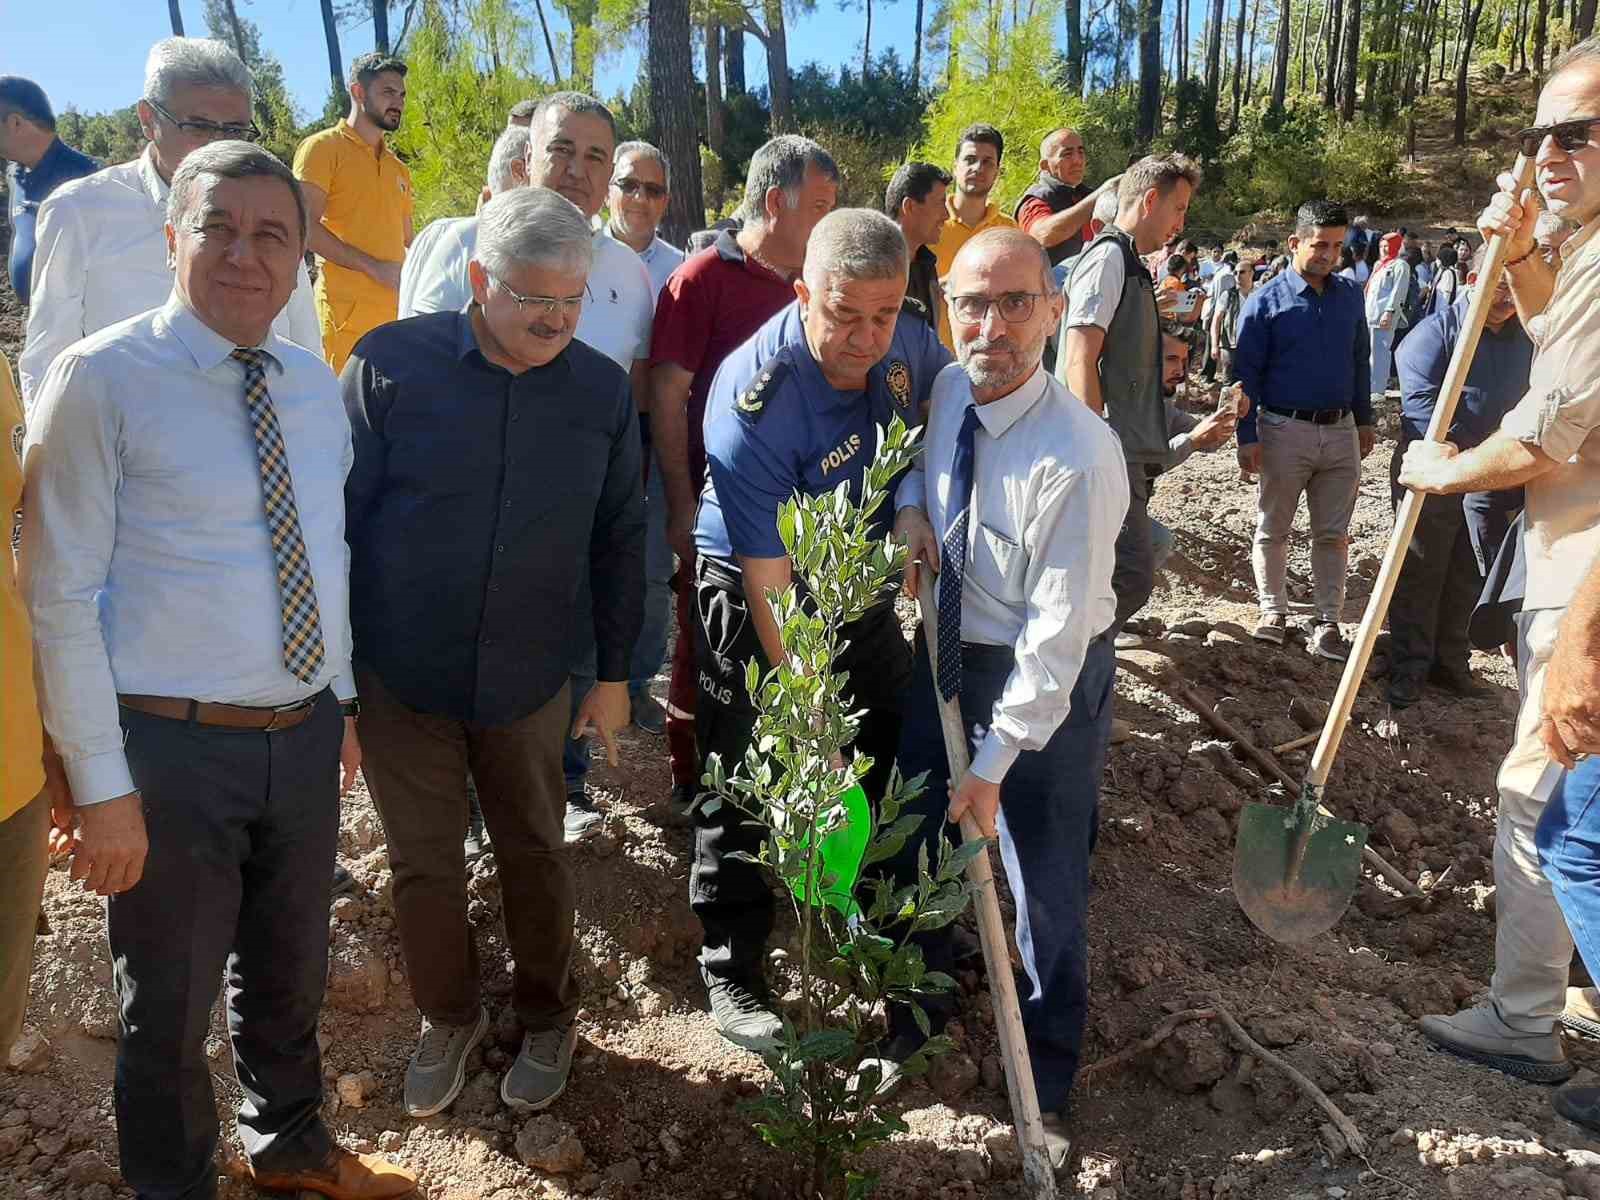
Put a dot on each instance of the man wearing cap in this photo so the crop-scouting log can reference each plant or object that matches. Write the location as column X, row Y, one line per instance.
column 40, row 163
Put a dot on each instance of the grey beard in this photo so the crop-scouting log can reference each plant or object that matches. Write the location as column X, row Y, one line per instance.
column 985, row 376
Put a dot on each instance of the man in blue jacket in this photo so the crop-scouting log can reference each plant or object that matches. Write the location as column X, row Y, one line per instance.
column 1442, row 575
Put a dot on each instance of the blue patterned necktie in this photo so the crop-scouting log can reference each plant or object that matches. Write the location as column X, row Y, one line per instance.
column 953, row 557
column 303, row 650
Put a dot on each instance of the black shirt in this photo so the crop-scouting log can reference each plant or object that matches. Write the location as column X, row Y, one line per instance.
column 923, row 284
column 476, row 499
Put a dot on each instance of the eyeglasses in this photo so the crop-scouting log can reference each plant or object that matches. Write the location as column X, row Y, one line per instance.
column 568, row 306
column 209, row 129
column 1014, row 307
column 1571, row 136
column 632, row 187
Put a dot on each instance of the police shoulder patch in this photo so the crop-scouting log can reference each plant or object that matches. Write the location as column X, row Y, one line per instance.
column 753, row 400
column 898, row 380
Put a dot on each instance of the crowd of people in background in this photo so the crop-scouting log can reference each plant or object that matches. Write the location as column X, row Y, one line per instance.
column 438, row 515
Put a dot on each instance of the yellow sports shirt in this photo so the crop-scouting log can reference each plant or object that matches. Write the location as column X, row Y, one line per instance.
column 21, row 736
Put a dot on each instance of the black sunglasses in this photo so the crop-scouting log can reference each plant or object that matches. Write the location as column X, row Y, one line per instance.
column 632, row 187
column 1571, row 136
column 209, row 129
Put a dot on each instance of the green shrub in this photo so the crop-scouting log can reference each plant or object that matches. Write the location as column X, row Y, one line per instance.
column 1363, row 166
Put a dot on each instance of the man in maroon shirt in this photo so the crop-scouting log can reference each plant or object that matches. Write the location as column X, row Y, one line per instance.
column 711, row 304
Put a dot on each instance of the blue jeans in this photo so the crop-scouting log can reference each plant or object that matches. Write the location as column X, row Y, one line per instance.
column 651, row 649
column 1382, row 358
column 1049, row 812
column 1568, row 838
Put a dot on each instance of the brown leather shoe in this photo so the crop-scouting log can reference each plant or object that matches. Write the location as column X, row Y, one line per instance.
column 345, row 1176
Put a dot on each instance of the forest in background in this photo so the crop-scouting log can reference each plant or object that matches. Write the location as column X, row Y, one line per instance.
column 1281, row 99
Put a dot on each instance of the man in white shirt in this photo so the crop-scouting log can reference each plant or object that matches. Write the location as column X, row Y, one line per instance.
column 185, row 568
column 101, row 255
column 1017, row 502
column 508, row 168
column 641, row 185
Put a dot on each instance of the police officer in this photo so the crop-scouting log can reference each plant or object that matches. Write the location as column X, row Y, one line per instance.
column 795, row 408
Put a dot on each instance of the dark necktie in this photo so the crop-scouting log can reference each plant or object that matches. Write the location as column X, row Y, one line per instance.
column 953, row 557
column 297, row 592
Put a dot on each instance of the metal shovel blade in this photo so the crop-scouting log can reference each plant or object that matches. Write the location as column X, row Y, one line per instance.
column 1293, row 882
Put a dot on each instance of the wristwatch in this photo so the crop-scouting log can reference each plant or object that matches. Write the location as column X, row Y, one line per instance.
column 351, row 707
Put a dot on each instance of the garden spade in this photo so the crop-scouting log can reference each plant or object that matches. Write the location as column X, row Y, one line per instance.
column 1296, row 869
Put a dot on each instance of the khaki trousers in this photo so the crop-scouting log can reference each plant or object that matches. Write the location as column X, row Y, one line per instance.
column 1322, row 462
column 1532, row 948
column 23, row 862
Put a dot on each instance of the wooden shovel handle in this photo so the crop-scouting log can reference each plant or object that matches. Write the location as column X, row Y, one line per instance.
column 1405, row 521
column 1036, row 1168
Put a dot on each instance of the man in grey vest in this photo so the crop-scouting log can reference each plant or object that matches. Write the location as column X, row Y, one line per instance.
column 1111, row 348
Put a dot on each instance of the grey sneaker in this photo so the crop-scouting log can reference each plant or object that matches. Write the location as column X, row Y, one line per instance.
column 1327, row 642
column 741, row 1012
column 582, row 821
column 540, row 1073
column 1482, row 1035
column 1273, row 629
column 439, row 1067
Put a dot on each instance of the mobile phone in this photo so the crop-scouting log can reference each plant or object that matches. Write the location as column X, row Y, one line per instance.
column 1185, row 302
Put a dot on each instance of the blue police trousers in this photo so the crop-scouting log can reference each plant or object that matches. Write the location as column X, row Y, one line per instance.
column 1049, row 812
column 1568, row 838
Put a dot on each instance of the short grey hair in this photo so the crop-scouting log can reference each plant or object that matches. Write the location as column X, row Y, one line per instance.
column 643, row 150
column 1586, row 51
column 1006, row 239
column 532, row 225
column 510, row 148
column 781, row 164
column 1106, row 207
column 579, row 103
column 856, row 243
column 177, row 62
column 229, row 160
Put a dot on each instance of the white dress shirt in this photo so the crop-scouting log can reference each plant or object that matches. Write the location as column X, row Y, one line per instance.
column 1049, row 494
column 618, row 308
column 101, row 257
column 147, row 566
column 660, row 259
column 420, row 253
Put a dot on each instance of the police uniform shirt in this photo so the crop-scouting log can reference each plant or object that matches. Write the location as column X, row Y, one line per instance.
column 774, row 425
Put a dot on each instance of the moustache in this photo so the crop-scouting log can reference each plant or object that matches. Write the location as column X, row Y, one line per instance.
column 546, row 331
column 983, row 345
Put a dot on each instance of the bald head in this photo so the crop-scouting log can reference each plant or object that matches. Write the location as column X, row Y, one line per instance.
column 1062, row 155
column 1006, row 245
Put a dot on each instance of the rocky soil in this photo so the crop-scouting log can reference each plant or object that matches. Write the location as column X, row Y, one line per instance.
column 653, row 1106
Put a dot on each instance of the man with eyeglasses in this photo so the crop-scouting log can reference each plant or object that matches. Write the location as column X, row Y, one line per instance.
column 509, row 449
column 794, row 409
column 100, row 253
column 1546, row 444
column 359, row 194
column 1020, row 493
column 641, row 184
column 1443, row 571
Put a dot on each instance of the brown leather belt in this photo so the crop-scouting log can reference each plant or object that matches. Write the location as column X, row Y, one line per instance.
column 222, row 716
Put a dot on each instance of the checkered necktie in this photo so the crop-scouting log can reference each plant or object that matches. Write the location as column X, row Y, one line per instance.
column 297, row 591
column 953, row 557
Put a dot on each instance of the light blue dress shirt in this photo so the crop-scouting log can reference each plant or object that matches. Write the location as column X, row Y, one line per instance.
column 146, row 562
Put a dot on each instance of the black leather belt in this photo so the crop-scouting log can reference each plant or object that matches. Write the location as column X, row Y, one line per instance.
column 1317, row 416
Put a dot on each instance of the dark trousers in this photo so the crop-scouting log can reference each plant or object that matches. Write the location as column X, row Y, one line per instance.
column 682, row 687
column 1568, row 838
column 1489, row 515
column 730, row 895
column 1049, row 812
column 1438, row 586
column 1133, row 577
column 242, row 829
column 416, row 765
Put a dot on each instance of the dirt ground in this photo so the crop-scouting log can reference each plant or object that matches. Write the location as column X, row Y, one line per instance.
column 651, row 1110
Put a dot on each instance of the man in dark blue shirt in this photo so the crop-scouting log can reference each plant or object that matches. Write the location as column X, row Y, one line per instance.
column 1303, row 358
column 1444, row 566
column 40, row 163
column 794, row 409
column 495, row 458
